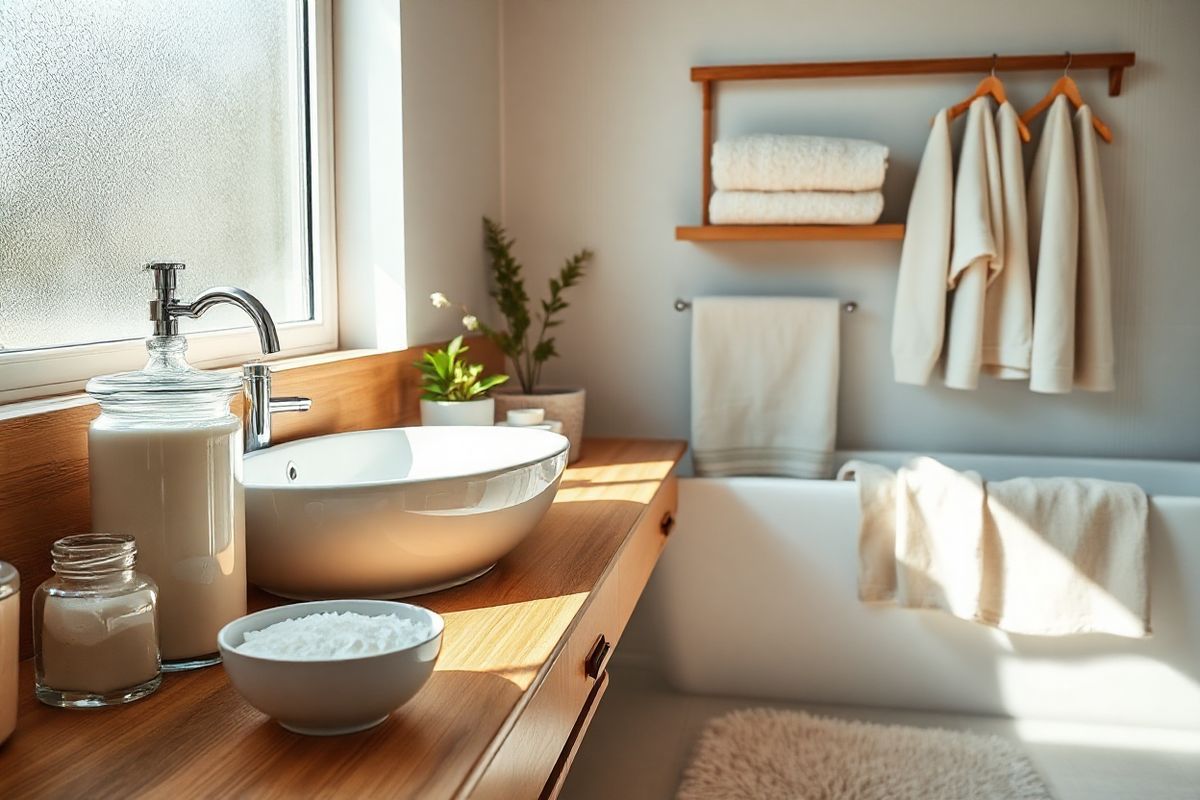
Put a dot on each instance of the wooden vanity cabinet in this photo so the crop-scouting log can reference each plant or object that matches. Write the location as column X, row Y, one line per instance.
column 535, row 757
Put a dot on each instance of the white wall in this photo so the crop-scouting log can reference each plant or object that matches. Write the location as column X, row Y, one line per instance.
column 451, row 59
column 602, row 148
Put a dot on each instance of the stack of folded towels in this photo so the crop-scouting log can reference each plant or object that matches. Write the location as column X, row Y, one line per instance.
column 766, row 179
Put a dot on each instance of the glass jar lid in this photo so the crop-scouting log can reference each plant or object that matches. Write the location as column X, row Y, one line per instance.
column 166, row 376
column 10, row 580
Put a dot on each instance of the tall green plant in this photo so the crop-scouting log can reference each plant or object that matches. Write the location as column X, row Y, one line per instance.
column 528, row 353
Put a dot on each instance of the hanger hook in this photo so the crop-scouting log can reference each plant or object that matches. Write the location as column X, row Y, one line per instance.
column 995, row 58
column 1067, row 68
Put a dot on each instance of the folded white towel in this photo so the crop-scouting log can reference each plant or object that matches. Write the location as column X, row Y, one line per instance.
column 773, row 163
column 1046, row 556
column 1093, row 314
column 795, row 208
column 764, row 386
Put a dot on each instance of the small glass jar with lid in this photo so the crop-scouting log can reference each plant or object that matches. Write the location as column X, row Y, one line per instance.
column 10, row 628
column 95, row 625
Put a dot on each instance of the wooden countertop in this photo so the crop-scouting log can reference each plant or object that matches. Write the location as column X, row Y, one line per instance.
column 197, row 737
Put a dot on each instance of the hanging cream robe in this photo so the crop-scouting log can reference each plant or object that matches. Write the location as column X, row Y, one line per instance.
column 918, row 324
column 1093, row 293
column 978, row 250
column 1053, row 246
column 1008, row 309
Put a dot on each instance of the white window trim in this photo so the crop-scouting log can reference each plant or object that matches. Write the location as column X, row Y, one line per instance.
column 38, row 373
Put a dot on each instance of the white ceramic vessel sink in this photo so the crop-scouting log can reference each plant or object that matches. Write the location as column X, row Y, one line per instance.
column 395, row 512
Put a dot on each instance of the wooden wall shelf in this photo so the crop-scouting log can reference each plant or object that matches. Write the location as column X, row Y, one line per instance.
column 788, row 233
column 708, row 78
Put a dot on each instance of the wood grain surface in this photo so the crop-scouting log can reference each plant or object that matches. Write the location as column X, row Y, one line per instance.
column 44, row 492
column 196, row 737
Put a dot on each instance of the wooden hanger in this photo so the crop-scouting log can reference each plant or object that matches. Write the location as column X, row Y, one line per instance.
column 991, row 85
column 1067, row 87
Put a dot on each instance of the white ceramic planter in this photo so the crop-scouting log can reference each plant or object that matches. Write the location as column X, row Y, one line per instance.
column 565, row 405
column 471, row 412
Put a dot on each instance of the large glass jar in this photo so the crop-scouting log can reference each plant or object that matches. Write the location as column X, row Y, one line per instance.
column 166, row 468
column 95, row 630
column 10, row 629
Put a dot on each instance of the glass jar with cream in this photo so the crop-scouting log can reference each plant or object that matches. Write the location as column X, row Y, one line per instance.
column 165, row 456
column 10, row 629
column 95, row 626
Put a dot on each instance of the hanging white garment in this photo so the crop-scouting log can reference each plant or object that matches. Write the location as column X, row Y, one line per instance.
column 1008, row 309
column 1093, row 313
column 1053, row 246
column 918, row 324
column 978, row 251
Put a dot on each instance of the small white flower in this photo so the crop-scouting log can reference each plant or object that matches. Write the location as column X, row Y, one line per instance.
column 439, row 300
column 471, row 322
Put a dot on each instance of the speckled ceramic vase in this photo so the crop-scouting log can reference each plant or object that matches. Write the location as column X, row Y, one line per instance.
column 564, row 405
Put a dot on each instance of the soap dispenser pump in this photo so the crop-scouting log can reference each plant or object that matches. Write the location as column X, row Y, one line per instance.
column 165, row 456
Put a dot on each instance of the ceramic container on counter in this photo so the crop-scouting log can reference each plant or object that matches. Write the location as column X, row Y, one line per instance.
column 469, row 412
column 335, row 696
column 565, row 405
column 10, row 629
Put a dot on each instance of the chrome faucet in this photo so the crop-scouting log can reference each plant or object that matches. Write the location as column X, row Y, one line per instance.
column 257, row 405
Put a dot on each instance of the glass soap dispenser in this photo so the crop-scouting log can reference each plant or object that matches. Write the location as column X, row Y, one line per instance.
column 165, row 456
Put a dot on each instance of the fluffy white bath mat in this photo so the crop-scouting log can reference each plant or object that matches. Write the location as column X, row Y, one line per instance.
column 766, row 754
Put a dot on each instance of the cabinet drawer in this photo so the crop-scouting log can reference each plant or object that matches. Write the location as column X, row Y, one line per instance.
column 644, row 547
column 527, row 758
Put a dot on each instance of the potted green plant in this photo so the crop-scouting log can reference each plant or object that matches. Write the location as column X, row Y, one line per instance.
column 455, row 392
column 527, row 338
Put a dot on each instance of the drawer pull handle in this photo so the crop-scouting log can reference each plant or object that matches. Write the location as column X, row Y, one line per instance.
column 597, row 660
column 667, row 524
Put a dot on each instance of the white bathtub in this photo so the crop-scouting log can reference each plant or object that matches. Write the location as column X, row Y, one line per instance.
column 756, row 596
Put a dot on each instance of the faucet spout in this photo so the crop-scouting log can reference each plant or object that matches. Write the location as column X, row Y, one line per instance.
column 268, row 335
column 166, row 309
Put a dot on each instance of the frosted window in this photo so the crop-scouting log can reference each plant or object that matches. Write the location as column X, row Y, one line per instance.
column 140, row 130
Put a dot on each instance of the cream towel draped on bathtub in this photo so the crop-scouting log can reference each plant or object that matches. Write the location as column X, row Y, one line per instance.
column 764, row 386
column 1044, row 556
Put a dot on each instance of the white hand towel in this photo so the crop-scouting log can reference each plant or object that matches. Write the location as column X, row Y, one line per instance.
column 1093, row 312
column 1051, row 557
column 1008, row 308
column 1071, row 556
column 795, row 208
column 919, row 320
column 978, row 244
column 1053, row 246
column 764, row 386
column 773, row 163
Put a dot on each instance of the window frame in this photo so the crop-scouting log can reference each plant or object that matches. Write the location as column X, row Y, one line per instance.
column 27, row 374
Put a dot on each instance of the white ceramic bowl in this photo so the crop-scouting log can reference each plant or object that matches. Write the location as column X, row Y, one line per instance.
column 327, row 698
column 394, row 512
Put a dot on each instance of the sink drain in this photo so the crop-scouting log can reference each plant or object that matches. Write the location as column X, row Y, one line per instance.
column 292, row 472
